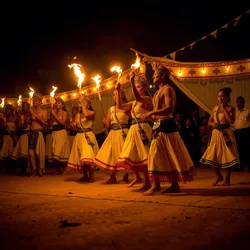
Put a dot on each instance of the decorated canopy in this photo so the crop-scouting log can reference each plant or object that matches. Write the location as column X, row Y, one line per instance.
column 200, row 81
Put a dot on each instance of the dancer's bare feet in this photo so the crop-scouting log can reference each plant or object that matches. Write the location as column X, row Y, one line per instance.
column 219, row 179
column 145, row 186
column 57, row 173
column 133, row 182
column 33, row 174
column 84, row 179
column 226, row 182
column 154, row 188
column 171, row 190
column 91, row 176
column 125, row 178
column 40, row 172
column 110, row 181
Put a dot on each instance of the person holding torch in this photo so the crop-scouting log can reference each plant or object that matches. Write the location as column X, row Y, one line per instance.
column 116, row 122
column 85, row 146
column 36, row 153
column 134, row 155
column 60, row 140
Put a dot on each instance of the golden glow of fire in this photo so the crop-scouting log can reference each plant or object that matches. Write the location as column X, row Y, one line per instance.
column 203, row 70
column 180, row 73
column 52, row 93
column 228, row 68
column 32, row 91
column 97, row 80
column 116, row 69
column 78, row 73
column 2, row 103
column 19, row 102
column 137, row 63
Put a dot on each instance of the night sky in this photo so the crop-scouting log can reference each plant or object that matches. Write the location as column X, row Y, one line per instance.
column 39, row 40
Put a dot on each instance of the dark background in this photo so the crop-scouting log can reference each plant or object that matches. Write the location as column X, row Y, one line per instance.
column 39, row 40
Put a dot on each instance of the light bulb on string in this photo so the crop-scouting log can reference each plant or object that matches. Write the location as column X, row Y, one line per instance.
column 180, row 72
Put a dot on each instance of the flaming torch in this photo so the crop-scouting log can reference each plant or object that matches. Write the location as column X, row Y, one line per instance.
column 31, row 93
column 97, row 80
column 118, row 70
column 79, row 74
column 2, row 103
column 52, row 94
column 137, row 63
column 19, row 101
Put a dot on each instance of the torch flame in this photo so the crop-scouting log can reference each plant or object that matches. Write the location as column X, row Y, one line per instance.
column 52, row 93
column 117, row 69
column 19, row 102
column 137, row 63
column 32, row 91
column 78, row 73
column 2, row 103
column 97, row 80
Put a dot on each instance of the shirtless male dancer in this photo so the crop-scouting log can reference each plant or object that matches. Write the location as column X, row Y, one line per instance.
column 36, row 156
column 168, row 158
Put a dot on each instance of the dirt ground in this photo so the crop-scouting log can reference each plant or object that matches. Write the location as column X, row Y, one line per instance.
column 57, row 212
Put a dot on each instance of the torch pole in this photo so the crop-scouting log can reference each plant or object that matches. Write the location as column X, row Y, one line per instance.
column 103, row 112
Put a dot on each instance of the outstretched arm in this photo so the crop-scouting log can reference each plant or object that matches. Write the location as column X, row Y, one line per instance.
column 119, row 104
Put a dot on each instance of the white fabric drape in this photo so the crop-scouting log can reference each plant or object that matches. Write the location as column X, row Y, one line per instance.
column 204, row 91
